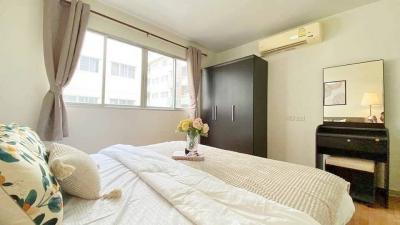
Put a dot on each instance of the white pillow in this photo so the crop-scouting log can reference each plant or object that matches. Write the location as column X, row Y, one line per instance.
column 84, row 182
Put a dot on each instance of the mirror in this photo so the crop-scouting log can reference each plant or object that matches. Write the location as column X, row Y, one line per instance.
column 354, row 93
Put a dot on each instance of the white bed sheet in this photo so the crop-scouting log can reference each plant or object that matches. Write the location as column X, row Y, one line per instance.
column 345, row 211
column 150, row 208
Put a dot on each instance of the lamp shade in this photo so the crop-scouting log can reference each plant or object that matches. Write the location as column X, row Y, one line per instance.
column 370, row 99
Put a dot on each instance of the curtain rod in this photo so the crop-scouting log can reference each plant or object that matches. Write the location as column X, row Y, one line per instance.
column 136, row 28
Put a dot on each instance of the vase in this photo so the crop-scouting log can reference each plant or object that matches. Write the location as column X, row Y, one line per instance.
column 192, row 143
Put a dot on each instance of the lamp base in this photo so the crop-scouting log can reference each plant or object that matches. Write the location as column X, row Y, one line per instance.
column 372, row 119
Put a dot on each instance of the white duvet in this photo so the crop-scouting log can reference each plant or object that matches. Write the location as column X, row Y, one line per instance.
column 172, row 193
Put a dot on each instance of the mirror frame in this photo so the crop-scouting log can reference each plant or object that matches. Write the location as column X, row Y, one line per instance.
column 355, row 124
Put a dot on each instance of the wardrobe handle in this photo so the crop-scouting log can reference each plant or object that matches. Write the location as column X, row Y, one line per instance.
column 233, row 113
column 216, row 113
column 212, row 113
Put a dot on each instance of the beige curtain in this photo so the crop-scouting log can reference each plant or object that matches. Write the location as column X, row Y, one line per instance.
column 64, row 26
column 194, row 69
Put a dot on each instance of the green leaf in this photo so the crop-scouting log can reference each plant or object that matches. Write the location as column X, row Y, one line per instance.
column 6, row 184
column 30, row 139
column 42, row 153
column 38, row 220
column 20, row 201
column 55, row 204
column 6, row 157
column 28, row 156
column 53, row 180
column 45, row 180
column 25, row 158
column 51, row 222
column 31, row 198
column 45, row 183
column 42, row 170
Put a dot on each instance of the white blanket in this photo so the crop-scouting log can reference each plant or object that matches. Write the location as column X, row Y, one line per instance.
column 200, row 197
column 315, row 192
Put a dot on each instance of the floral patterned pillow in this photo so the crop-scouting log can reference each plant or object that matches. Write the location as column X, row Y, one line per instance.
column 26, row 178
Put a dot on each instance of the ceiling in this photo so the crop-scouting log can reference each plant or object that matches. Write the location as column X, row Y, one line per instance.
column 222, row 24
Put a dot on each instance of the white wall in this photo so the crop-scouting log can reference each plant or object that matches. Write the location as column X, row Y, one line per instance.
column 295, row 79
column 23, row 81
column 93, row 128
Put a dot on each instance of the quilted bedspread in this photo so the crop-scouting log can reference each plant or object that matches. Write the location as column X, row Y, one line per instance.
column 307, row 189
column 200, row 197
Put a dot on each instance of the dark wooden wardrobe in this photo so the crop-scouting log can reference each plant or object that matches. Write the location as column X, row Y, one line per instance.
column 234, row 104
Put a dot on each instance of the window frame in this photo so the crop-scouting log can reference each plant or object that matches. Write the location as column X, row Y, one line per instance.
column 143, row 92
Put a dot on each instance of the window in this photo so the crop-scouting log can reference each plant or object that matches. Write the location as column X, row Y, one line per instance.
column 160, row 69
column 122, row 70
column 119, row 65
column 116, row 101
column 86, row 84
column 81, row 99
column 89, row 64
column 123, row 61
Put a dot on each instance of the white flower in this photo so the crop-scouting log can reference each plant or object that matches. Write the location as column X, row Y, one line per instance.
column 198, row 124
column 206, row 128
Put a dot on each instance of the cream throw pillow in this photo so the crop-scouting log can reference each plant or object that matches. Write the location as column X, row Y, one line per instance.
column 85, row 180
column 77, row 172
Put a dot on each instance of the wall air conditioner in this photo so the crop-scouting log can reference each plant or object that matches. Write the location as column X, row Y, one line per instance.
column 304, row 35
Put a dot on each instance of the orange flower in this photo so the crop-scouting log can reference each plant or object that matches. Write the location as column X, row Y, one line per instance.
column 11, row 149
column 26, row 206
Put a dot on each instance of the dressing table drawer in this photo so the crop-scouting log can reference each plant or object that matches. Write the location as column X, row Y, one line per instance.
column 353, row 143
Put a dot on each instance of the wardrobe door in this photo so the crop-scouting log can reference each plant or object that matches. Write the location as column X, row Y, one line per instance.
column 207, row 101
column 260, row 107
column 240, row 103
column 220, row 124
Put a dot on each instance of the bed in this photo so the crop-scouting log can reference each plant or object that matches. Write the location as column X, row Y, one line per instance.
column 159, row 190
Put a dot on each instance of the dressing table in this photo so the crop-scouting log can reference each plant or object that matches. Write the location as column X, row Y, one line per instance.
column 353, row 142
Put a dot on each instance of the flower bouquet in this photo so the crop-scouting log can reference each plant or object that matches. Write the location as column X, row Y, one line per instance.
column 194, row 128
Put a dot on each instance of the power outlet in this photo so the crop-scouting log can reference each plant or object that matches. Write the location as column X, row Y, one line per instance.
column 295, row 118
column 300, row 118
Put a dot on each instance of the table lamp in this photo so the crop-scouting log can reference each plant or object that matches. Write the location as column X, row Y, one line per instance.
column 370, row 99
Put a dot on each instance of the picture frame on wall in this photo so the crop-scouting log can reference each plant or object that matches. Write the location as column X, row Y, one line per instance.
column 335, row 93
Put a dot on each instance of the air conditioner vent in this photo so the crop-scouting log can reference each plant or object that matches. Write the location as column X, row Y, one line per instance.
column 291, row 39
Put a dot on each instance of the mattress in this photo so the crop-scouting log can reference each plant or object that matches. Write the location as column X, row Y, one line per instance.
column 142, row 205
column 159, row 190
column 321, row 195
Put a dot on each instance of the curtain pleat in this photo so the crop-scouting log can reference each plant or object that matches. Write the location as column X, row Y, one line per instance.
column 194, row 71
column 64, row 27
